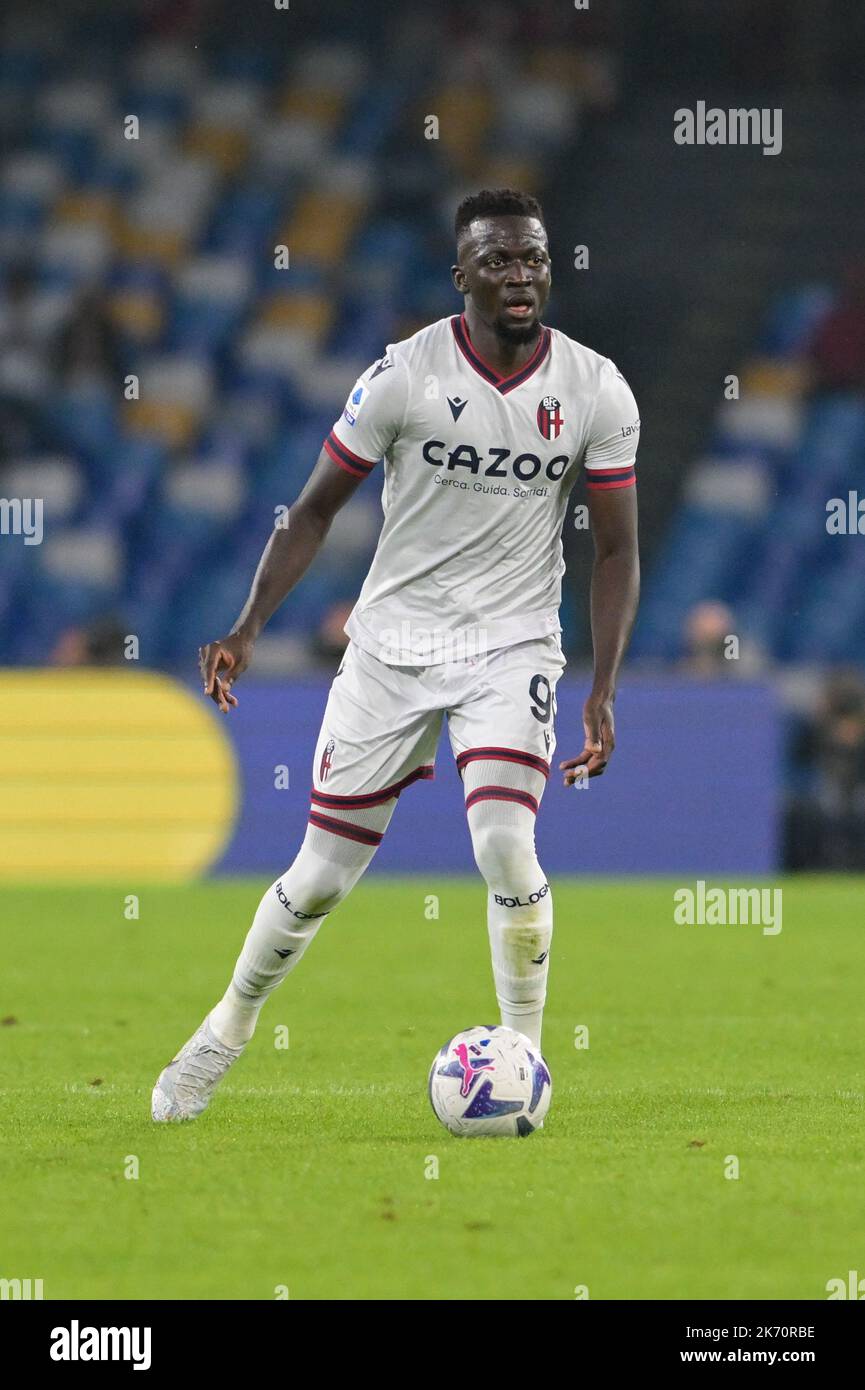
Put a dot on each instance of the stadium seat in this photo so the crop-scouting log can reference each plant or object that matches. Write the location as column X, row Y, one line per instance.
column 172, row 226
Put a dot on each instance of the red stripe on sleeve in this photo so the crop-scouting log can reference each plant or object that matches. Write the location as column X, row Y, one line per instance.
column 608, row 487
column 345, row 459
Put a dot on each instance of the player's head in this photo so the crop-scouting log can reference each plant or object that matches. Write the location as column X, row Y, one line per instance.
column 503, row 261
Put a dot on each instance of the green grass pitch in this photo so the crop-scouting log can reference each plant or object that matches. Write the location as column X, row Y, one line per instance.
column 309, row 1170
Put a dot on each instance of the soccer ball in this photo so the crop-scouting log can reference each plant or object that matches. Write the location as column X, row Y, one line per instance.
column 490, row 1081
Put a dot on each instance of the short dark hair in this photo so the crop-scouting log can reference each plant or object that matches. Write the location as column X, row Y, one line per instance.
column 496, row 202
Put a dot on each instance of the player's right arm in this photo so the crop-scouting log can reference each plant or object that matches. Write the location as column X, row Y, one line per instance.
column 289, row 552
column 371, row 420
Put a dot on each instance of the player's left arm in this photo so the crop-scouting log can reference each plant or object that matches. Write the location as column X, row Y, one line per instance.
column 615, row 592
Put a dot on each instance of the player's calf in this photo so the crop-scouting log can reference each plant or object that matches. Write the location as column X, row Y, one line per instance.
column 501, row 802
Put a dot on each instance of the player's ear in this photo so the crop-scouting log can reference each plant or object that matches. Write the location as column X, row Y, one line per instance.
column 458, row 276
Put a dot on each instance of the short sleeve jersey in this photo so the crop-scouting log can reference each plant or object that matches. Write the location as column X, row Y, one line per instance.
column 477, row 473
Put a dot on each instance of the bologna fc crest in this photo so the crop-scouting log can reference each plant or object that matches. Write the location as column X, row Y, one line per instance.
column 326, row 764
column 550, row 419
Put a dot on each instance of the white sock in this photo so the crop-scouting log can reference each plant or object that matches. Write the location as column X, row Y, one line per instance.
column 287, row 919
column 234, row 1018
column 285, row 922
column 520, row 942
column 519, row 912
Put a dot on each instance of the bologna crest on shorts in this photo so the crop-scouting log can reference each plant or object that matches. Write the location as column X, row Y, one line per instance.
column 326, row 761
column 550, row 419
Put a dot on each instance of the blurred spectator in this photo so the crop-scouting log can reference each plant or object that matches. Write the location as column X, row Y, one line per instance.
column 838, row 350
column 15, row 319
column 825, row 822
column 22, row 369
column 99, row 643
column 87, row 351
column 713, row 647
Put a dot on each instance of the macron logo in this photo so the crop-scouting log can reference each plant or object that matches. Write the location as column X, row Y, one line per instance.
column 457, row 406
column 76, row 1343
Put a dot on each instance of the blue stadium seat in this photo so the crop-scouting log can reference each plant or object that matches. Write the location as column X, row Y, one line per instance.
column 793, row 320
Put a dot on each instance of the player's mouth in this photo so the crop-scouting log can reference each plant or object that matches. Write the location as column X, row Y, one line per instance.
column 520, row 306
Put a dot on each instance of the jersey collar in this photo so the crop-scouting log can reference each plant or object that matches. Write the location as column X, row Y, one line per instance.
column 503, row 384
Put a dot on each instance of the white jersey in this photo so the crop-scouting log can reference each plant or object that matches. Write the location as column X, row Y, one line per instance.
column 477, row 472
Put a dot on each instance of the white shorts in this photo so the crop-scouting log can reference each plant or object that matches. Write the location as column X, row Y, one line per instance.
column 382, row 724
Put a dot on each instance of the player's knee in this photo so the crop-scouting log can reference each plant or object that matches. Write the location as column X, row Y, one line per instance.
column 321, row 894
column 317, row 887
column 505, row 855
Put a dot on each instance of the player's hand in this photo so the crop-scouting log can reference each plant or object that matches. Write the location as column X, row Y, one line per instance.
column 600, row 741
column 220, row 664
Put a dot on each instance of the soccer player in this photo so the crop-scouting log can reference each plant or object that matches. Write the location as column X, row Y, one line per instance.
column 483, row 421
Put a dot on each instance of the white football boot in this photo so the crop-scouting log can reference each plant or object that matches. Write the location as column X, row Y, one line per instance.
column 186, row 1085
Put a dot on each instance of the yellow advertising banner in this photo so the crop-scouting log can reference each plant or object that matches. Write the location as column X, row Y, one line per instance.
column 106, row 774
